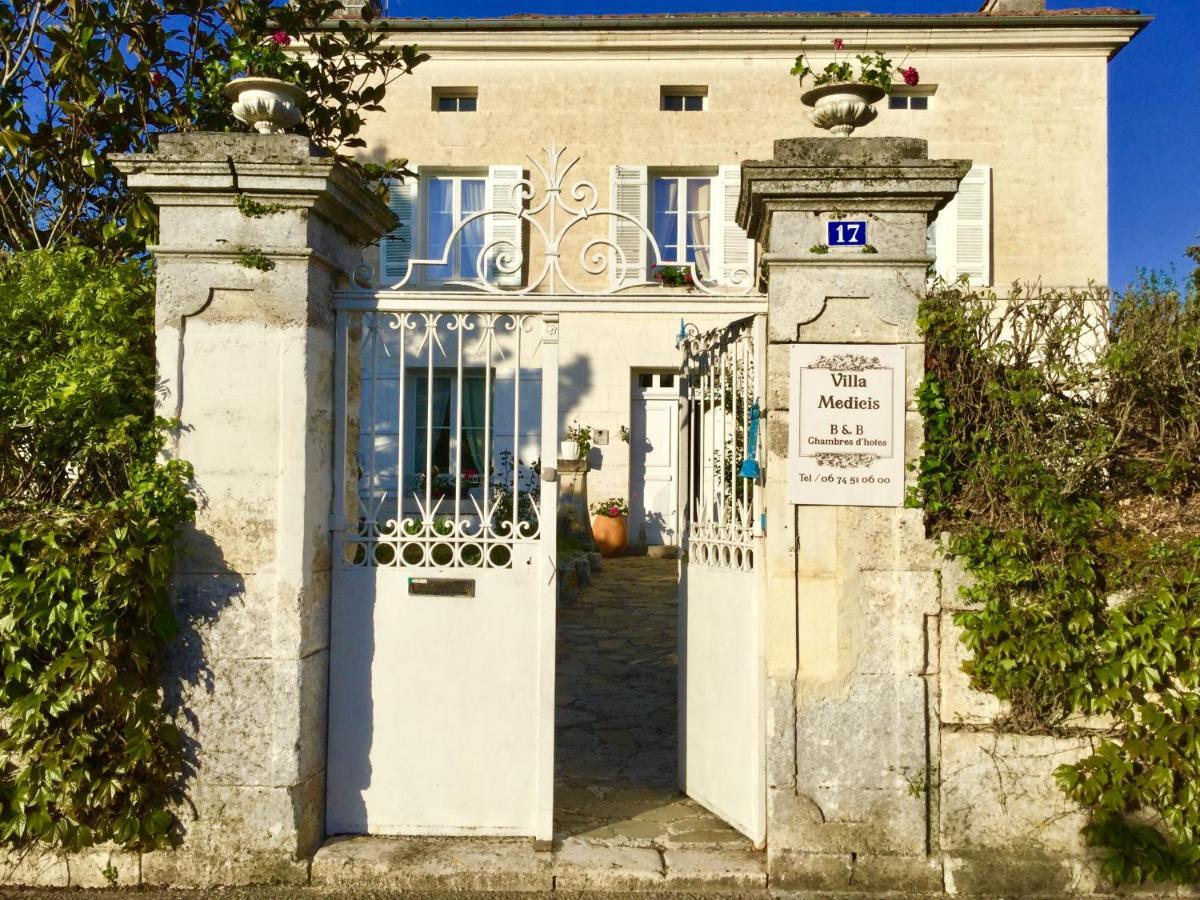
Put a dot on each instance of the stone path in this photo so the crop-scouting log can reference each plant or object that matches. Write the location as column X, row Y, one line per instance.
column 616, row 715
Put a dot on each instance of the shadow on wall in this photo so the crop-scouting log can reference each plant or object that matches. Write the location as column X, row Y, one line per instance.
column 202, row 591
column 574, row 381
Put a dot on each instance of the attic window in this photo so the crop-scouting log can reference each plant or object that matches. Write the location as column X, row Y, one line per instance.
column 460, row 99
column 674, row 98
column 918, row 99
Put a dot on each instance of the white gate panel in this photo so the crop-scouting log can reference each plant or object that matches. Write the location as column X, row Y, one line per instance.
column 724, row 766
column 435, row 706
column 722, row 681
column 441, row 689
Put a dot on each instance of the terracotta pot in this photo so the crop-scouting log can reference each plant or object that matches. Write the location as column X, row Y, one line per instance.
column 610, row 534
column 842, row 106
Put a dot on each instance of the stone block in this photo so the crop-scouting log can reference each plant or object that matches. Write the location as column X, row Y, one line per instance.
column 35, row 866
column 959, row 703
column 425, row 863
column 205, row 868
column 1005, row 826
column 712, row 869
column 890, row 538
column 582, row 866
column 861, row 757
column 105, row 866
column 955, row 579
column 892, row 630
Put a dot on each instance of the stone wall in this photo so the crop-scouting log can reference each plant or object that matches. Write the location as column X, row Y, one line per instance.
column 885, row 771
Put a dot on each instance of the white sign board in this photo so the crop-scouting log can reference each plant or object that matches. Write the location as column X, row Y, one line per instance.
column 846, row 425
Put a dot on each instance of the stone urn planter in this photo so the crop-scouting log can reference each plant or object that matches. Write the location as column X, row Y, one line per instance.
column 267, row 105
column 611, row 534
column 842, row 106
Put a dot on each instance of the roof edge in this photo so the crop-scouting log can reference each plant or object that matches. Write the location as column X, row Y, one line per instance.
column 667, row 21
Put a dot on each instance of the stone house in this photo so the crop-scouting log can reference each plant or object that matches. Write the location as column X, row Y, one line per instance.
column 631, row 223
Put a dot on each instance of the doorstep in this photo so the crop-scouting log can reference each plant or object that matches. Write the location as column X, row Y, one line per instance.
column 512, row 864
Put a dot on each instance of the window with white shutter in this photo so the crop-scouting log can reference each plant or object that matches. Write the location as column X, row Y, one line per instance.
column 962, row 232
column 396, row 247
column 733, row 252
column 629, row 193
column 504, row 193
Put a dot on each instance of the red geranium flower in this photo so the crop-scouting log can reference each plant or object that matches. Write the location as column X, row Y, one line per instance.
column 155, row 79
column 613, row 512
column 838, row 44
column 281, row 38
column 911, row 76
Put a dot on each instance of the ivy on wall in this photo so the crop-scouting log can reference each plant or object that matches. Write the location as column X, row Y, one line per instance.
column 88, row 517
column 1062, row 459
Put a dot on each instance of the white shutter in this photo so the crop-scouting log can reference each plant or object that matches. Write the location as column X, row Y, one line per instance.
column 962, row 232
column 733, row 252
column 502, row 193
column 629, row 193
column 396, row 247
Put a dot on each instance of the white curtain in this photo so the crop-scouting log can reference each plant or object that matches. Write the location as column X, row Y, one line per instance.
column 699, row 213
column 470, row 239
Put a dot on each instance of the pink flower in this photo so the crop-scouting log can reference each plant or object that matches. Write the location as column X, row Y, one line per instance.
column 838, row 44
column 281, row 39
column 911, row 76
column 613, row 512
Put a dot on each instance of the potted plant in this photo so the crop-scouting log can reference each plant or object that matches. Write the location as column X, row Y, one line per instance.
column 610, row 527
column 577, row 443
column 843, row 99
column 265, row 97
column 675, row 276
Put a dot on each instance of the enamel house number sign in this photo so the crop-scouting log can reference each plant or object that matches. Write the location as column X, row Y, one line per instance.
column 846, row 428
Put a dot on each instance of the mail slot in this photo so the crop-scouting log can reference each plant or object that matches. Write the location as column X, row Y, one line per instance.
column 441, row 587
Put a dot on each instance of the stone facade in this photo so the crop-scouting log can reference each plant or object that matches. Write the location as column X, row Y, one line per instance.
column 885, row 770
column 245, row 358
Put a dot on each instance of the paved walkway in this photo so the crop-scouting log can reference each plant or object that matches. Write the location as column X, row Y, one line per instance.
column 616, row 716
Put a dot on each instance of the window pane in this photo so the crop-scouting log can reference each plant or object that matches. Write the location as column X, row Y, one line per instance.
column 439, row 221
column 646, row 380
column 918, row 103
column 447, row 104
column 665, row 203
column 895, row 102
column 467, row 104
column 693, row 103
column 672, row 102
column 470, row 239
column 666, row 380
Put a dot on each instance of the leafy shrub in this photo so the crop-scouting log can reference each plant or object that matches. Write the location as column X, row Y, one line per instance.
column 87, row 521
column 1062, row 456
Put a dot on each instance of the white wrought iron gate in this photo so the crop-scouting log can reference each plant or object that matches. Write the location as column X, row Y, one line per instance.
column 722, row 677
column 441, row 708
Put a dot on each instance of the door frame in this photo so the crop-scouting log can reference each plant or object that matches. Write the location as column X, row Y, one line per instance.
column 669, row 395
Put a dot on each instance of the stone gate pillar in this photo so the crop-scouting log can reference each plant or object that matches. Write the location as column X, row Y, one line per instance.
column 255, row 232
column 852, row 590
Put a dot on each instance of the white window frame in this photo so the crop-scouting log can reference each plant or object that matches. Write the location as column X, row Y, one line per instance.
column 424, row 198
column 416, row 374
column 681, row 178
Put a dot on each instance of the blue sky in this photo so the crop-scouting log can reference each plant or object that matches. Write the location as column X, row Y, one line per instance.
column 1154, row 111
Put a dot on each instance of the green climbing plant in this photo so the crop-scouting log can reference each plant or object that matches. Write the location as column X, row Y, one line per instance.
column 1062, row 461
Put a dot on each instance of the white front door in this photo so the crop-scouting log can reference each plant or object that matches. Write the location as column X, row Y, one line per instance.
column 654, row 459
